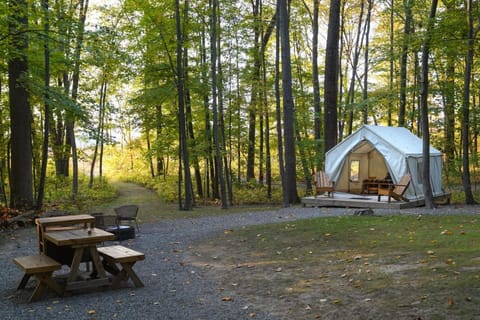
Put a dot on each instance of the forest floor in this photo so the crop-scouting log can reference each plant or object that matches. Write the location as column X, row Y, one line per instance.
column 197, row 267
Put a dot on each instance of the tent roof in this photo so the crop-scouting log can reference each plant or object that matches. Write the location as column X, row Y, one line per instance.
column 397, row 138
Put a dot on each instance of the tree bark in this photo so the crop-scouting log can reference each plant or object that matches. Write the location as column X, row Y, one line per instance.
column 467, row 185
column 46, row 126
column 403, row 63
column 21, row 182
column 427, row 187
column 188, row 203
column 288, row 107
column 331, row 76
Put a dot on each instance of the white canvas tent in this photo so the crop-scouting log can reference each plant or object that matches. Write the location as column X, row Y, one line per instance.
column 372, row 152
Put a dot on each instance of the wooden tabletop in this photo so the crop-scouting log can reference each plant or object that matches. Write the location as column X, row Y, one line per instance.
column 66, row 220
column 79, row 236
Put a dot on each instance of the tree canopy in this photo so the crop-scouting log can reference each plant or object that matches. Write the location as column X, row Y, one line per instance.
column 226, row 93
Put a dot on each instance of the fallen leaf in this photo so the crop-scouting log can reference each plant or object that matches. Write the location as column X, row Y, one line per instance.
column 227, row 299
column 450, row 302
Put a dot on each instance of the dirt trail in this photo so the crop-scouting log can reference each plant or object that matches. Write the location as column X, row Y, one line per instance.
column 130, row 193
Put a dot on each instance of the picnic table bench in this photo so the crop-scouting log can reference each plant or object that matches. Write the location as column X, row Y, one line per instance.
column 126, row 257
column 41, row 267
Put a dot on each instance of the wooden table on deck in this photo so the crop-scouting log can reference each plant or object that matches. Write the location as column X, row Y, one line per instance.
column 81, row 240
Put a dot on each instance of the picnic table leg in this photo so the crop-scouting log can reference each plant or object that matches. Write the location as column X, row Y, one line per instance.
column 127, row 267
column 24, row 281
column 77, row 258
column 100, row 271
column 45, row 280
column 124, row 274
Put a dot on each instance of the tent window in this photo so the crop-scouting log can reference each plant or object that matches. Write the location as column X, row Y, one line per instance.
column 355, row 170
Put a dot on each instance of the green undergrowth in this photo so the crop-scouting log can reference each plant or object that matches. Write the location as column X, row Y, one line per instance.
column 59, row 196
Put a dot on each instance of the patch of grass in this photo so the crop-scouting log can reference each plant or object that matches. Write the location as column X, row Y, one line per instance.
column 399, row 266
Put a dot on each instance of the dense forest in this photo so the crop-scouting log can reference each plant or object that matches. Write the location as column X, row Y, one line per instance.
column 221, row 94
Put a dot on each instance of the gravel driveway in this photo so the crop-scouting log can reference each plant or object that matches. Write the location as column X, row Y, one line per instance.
column 173, row 289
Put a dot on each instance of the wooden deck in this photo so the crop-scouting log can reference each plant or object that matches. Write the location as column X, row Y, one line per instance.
column 349, row 200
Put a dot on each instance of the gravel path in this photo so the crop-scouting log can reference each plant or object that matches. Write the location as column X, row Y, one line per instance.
column 173, row 289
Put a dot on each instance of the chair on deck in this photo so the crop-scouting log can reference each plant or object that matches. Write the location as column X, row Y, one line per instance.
column 127, row 213
column 395, row 191
column 323, row 184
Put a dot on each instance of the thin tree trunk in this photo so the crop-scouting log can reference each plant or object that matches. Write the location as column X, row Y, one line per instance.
column 424, row 109
column 316, row 88
column 75, row 83
column 281, row 162
column 46, row 126
column 216, row 120
column 391, row 68
column 353, row 79
column 403, row 62
column 98, row 134
column 467, row 185
column 366, row 62
column 288, row 106
column 188, row 204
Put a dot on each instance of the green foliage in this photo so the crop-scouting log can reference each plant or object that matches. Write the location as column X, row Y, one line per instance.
column 58, row 194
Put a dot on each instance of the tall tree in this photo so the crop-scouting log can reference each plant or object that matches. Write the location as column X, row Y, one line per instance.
column 216, row 120
column 21, row 182
column 46, row 126
column 403, row 61
column 316, row 86
column 188, row 203
column 278, row 112
column 467, row 185
column 288, row 106
column 331, row 76
column 424, row 108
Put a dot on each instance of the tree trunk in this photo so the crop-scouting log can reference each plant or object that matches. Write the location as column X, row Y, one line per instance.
column 427, row 187
column 188, row 204
column 216, row 120
column 316, row 88
column 278, row 113
column 331, row 76
column 366, row 62
column 254, row 100
column 46, row 126
column 75, row 83
column 288, row 107
column 391, row 68
column 98, row 133
column 467, row 185
column 353, row 79
column 21, row 183
column 403, row 63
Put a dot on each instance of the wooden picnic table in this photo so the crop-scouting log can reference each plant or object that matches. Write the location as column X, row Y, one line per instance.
column 61, row 222
column 82, row 240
